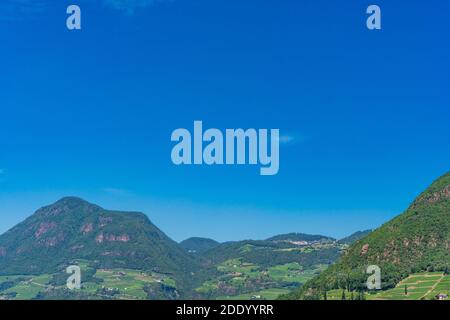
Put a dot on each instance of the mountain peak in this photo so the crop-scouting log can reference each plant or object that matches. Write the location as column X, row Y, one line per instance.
column 438, row 191
column 68, row 205
column 73, row 201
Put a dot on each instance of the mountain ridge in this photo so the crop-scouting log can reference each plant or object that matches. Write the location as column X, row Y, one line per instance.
column 198, row 244
column 73, row 228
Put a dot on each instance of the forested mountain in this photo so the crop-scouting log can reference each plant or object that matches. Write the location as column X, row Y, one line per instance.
column 198, row 245
column 417, row 240
column 72, row 229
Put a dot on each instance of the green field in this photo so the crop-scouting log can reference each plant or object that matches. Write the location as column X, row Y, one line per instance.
column 244, row 281
column 103, row 283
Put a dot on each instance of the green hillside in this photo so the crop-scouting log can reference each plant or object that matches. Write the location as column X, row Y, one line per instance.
column 354, row 237
column 300, row 237
column 416, row 241
column 264, row 268
column 73, row 229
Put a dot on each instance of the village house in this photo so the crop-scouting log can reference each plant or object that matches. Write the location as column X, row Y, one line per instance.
column 441, row 296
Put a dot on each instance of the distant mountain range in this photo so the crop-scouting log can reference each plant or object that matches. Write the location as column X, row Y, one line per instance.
column 198, row 245
column 355, row 237
column 299, row 237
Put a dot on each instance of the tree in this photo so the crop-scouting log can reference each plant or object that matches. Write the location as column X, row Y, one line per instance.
column 406, row 290
column 343, row 295
column 361, row 295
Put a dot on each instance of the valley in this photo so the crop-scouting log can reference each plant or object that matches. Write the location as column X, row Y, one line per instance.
column 218, row 277
column 123, row 255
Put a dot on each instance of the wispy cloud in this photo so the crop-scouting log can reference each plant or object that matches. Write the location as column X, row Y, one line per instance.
column 286, row 139
column 24, row 9
column 130, row 6
column 18, row 9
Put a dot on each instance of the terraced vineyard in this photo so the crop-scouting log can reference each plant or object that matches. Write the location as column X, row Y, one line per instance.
column 417, row 286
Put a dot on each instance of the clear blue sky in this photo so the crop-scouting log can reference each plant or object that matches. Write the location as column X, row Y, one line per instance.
column 90, row 113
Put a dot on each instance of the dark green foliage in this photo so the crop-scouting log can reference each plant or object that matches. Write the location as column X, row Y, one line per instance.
column 159, row 291
column 6, row 285
column 66, row 294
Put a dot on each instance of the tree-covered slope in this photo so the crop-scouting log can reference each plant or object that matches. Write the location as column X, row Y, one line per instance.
column 354, row 237
column 417, row 240
column 299, row 237
column 198, row 245
column 75, row 229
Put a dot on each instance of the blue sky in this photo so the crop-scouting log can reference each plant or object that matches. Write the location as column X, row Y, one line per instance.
column 90, row 113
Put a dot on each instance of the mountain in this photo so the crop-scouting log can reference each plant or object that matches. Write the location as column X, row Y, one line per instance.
column 355, row 237
column 264, row 268
column 299, row 237
column 271, row 253
column 416, row 241
column 72, row 229
column 198, row 245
